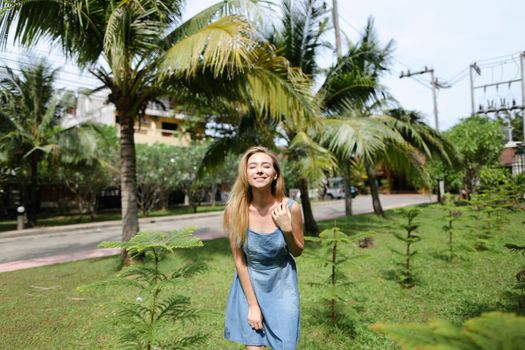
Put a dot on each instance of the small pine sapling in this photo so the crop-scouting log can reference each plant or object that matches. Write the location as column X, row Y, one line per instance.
column 520, row 276
column 334, row 290
column 148, row 322
column 489, row 210
column 490, row 331
column 453, row 214
column 407, row 277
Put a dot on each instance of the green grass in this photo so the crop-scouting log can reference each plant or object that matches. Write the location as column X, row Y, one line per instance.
column 41, row 308
column 59, row 220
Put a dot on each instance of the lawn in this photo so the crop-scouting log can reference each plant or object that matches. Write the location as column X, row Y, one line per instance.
column 41, row 308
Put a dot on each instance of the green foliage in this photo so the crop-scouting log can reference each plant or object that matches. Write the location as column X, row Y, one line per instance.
column 490, row 331
column 479, row 141
column 451, row 175
column 491, row 176
column 88, row 177
column 406, row 276
column 157, row 167
column 143, row 322
column 162, row 168
column 31, row 131
column 334, row 290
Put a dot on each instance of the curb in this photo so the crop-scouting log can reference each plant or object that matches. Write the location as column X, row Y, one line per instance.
column 57, row 259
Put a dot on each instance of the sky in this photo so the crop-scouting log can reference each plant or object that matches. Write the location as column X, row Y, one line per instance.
column 446, row 35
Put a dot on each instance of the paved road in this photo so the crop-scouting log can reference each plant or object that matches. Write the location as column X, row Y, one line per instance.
column 67, row 243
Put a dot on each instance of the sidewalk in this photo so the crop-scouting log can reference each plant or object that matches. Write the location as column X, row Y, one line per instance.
column 101, row 224
column 87, row 254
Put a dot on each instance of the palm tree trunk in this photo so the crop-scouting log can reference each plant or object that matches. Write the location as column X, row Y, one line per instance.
column 128, row 181
column 347, row 180
column 374, row 190
column 310, row 226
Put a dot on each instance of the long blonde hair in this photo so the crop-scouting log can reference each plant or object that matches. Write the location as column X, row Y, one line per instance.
column 236, row 212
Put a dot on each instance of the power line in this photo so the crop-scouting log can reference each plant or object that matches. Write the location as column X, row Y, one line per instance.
column 64, row 82
column 515, row 55
column 72, row 75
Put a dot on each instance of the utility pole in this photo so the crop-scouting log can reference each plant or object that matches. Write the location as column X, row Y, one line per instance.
column 522, row 66
column 434, row 97
column 347, row 178
column 473, row 68
column 435, row 86
column 335, row 15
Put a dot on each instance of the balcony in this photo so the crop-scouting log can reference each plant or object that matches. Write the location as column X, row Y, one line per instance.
column 168, row 137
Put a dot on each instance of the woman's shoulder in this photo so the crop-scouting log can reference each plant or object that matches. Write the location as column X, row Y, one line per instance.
column 290, row 202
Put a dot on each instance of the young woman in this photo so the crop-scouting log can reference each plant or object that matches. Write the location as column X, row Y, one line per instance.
column 264, row 228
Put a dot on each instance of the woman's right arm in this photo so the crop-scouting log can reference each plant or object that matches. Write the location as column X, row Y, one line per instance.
column 254, row 311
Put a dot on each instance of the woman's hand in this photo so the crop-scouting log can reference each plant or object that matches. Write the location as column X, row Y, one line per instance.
column 282, row 216
column 255, row 317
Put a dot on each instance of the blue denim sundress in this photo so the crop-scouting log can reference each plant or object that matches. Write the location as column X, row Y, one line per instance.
column 273, row 275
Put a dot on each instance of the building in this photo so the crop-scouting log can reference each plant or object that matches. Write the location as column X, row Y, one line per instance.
column 157, row 125
column 512, row 156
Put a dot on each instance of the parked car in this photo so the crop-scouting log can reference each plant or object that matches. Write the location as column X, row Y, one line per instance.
column 313, row 194
column 335, row 189
column 338, row 193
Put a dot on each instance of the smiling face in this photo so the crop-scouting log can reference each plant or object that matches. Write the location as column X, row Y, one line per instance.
column 260, row 170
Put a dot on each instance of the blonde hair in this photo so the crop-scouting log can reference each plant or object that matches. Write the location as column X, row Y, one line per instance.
column 236, row 212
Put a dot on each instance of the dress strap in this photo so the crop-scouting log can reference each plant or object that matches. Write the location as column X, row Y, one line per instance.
column 290, row 203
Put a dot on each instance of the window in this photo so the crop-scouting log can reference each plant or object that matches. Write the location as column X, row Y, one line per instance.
column 168, row 126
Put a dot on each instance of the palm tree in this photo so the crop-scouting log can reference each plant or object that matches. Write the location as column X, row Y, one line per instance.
column 31, row 132
column 299, row 44
column 350, row 90
column 140, row 50
column 298, row 38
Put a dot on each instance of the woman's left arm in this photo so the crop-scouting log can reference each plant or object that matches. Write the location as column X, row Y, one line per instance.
column 291, row 223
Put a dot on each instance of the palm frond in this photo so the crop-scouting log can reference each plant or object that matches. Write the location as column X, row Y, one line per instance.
column 79, row 34
column 403, row 159
column 278, row 90
column 245, row 8
column 360, row 137
column 222, row 47
column 314, row 161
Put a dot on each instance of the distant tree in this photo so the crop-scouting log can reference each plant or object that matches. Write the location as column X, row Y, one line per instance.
column 479, row 142
column 30, row 127
column 87, row 177
column 164, row 168
column 156, row 169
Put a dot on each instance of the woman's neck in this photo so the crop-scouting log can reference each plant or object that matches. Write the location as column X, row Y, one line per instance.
column 262, row 199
